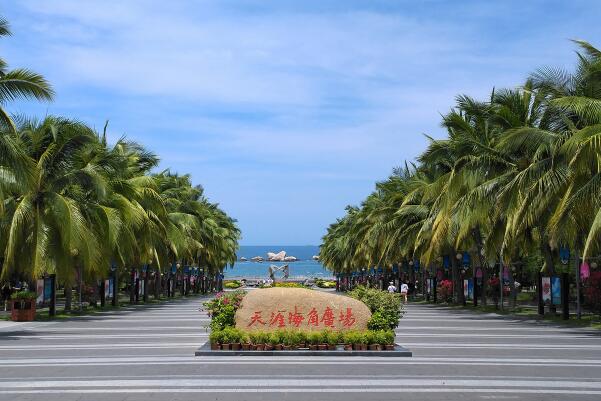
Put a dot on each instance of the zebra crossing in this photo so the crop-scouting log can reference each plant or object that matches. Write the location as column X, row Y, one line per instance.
column 147, row 353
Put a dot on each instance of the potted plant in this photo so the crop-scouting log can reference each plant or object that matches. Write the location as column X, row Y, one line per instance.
column 363, row 341
column 215, row 338
column 245, row 340
column 254, row 337
column 288, row 340
column 235, row 338
column 388, row 340
column 302, row 339
column 274, row 341
column 372, row 340
column 331, row 338
column 348, row 339
column 261, row 340
column 313, row 339
column 225, row 339
column 323, row 341
column 23, row 306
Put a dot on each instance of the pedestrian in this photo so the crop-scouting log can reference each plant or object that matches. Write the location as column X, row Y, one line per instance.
column 404, row 290
column 391, row 288
column 6, row 290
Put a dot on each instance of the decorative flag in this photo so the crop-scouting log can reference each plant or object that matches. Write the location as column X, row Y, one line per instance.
column 585, row 271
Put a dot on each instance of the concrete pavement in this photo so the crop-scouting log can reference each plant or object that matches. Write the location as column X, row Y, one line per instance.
column 147, row 353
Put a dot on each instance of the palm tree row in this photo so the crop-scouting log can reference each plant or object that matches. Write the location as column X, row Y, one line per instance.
column 517, row 175
column 71, row 203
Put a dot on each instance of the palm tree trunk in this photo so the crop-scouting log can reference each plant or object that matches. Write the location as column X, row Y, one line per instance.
column 483, row 264
column 550, row 266
column 68, row 297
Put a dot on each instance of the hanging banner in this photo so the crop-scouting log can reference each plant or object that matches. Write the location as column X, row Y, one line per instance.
column 585, row 271
column 48, row 284
column 466, row 286
column 40, row 291
column 107, row 288
column 556, row 290
column 546, row 283
column 111, row 287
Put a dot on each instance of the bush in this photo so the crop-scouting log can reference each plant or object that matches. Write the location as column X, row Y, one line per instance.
column 274, row 338
column 379, row 321
column 445, row 290
column 387, row 305
column 325, row 283
column 23, row 295
column 314, row 338
column 232, row 284
column 216, row 337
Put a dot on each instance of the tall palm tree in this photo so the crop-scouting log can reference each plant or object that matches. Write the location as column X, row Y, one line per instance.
column 19, row 83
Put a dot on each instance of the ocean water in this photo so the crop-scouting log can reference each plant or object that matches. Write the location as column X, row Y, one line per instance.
column 305, row 267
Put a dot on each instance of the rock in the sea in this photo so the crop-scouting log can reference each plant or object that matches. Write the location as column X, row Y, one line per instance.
column 257, row 259
column 276, row 257
column 281, row 308
column 243, row 259
column 290, row 259
column 315, row 257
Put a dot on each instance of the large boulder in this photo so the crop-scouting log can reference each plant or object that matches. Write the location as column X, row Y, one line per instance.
column 270, row 309
column 276, row 257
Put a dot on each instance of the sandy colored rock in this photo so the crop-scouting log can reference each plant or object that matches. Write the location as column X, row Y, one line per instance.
column 276, row 308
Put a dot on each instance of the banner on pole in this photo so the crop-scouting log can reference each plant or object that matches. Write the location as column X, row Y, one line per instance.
column 107, row 288
column 466, row 288
column 40, row 291
column 556, row 290
column 546, row 284
column 48, row 284
column 470, row 289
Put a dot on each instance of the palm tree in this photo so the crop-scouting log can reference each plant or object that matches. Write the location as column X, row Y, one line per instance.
column 20, row 83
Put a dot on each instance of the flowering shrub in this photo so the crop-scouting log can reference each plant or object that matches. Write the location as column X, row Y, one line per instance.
column 222, row 309
column 592, row 291
column 445, row 290
column 492, row 289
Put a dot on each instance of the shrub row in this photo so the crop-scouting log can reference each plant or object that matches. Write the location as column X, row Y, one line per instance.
column 232, row 338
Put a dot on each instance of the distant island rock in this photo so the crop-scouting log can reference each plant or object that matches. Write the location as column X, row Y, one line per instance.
column 276, row 257
column 290, row 259
column 243, row 259
column 315, row 257
column 257, row 259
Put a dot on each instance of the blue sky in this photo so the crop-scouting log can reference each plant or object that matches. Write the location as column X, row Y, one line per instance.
column 285, row 111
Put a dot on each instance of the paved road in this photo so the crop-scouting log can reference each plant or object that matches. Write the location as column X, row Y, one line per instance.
column 147, row 353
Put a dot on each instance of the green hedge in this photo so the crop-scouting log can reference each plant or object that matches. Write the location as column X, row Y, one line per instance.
column 386, row 308
column 229, row 335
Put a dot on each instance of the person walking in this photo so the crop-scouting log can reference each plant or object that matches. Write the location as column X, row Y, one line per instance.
column 391, row 288
column 6, row 291
column 404, row 291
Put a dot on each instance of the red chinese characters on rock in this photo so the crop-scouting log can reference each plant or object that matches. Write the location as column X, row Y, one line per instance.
column 256, row 319
column 297, row 319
